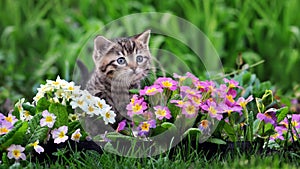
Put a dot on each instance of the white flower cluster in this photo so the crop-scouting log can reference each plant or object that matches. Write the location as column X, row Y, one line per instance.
column 61, row 91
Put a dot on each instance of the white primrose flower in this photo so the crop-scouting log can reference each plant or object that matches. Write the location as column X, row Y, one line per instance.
column 78, row 102
column 109, row 117
column 76, row 135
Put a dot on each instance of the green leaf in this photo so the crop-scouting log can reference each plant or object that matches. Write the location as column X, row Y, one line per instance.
column 61, row 113
column 31, row 109
column 267, row 98
column 230, row 132
column 168, row 125
column 74, row 125
column 192, row 132
column 42, row 104
column 216, row 141
column 36, row 132
column 259, row 104
column 134, row 91
column 282, row 113
column 16, row 113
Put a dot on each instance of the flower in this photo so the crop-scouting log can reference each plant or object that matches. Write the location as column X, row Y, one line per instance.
column 101, row 104
column 11, row 119
column 186, row 90
column 109, row 117
column 151, row 90
column 137, row 107
column 179, row 77
column 37, row 147
column 231, row 83
column 179, row 103
column 189, row 110
column 229, row 109
column 243, row 102
column 73, row 117
column 295, row 121
column 277, row 135
column 59, row 135
column 213, row 110
column 26, row 115
column 5, row 127
column 76, row 135
column 268, row 117
column 121, row 126
column 162, row 112
column 78, row 102
column 48, row 119
column 166, row 83
column 144, row 127
column 16, row 152
column 204, row 126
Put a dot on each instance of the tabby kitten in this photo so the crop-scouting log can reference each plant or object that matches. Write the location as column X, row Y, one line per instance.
column 120, row 65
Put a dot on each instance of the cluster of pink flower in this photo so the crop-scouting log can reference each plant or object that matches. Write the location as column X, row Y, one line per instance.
column 282, row 128
column 205, row 97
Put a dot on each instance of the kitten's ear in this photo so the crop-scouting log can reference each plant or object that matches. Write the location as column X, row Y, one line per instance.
column 143, row 37
column 101, row 46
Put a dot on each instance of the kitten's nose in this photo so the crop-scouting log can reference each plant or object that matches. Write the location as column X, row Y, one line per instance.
column 133, row 69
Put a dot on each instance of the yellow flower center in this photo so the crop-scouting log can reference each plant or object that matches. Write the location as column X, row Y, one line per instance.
column 35, row 144
column 61, row 134
column 230, row 98
column 268, row 115
column 77, row 136
column 204, row 123
column 180, row 102
column 197, row 100
column 243, row 104
column 231, row 85
column 167, row 84
column 26, row 113
column 3, row 130
column 9, row 119
column 49, row 119
column 91, row 109
column 80, row 102
column 107, row 115
column 190, row 109
column 161, row 112
column 71, row 88
column 137, row 108
column 150, row 90
column 55, row 83
column 16, row 153
column 145, row 126
column 132, row 100
column 190, row 92
column 294, row 123
column 100, row 105
column 212, row 110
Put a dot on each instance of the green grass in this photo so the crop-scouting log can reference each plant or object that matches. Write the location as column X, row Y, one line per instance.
column 91, row 159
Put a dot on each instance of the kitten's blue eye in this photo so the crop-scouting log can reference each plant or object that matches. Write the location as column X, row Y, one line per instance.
column 139, row 58
column 121, row 60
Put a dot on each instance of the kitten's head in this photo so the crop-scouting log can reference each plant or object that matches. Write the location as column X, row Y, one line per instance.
column 127, row 58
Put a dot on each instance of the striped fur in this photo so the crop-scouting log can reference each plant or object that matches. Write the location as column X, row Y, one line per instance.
column 112, row 80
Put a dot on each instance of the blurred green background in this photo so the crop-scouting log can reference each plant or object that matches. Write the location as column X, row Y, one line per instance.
column 40, row 39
